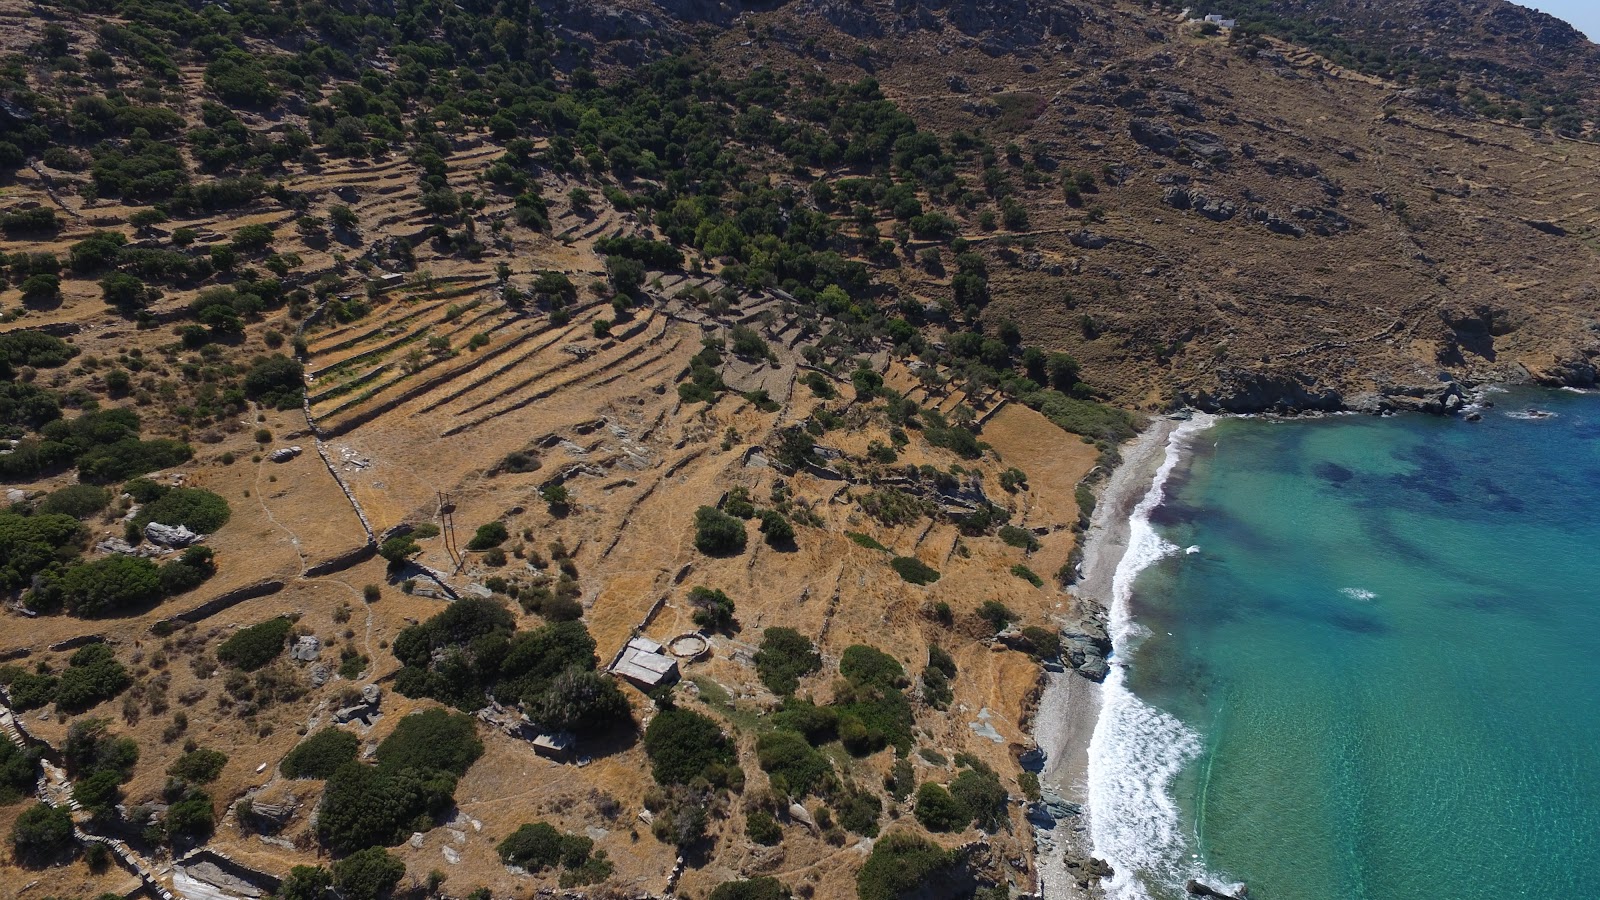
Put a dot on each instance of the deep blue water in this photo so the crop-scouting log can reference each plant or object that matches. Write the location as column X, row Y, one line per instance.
column 1384, row 655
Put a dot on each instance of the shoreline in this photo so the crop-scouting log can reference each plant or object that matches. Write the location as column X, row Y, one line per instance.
column 1069, row 707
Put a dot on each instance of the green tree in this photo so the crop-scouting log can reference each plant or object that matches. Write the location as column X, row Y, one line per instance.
column 937, row 810
column 275, row 381
column 713, row 609
column 784, row 658
column 683, row 745
column 717, row 533
column 41, row 834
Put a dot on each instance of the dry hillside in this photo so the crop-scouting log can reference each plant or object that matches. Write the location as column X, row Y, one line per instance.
column 834, row 287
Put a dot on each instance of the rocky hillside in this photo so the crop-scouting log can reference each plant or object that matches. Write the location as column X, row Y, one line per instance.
column 1270, row 217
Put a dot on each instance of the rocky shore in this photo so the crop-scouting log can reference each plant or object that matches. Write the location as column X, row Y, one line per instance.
column 1070, row 704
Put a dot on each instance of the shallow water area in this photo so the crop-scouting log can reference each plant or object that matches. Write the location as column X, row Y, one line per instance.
column 1374, row 674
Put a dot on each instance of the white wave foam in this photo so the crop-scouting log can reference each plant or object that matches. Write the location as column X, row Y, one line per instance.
column 1137, row 750
column 1192, row 549
column 1355, row 593
column 1532, row 415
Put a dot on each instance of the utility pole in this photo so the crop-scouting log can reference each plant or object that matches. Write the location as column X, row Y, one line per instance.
column 447, row 525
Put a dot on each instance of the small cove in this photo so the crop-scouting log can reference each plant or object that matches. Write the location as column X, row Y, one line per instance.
column 1376, row 674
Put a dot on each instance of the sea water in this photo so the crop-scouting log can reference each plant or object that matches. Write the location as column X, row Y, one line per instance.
column 1376, row 673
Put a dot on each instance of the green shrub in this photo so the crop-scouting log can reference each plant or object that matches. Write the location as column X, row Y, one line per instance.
column 106, row 586
column 92, row 675
column 368, row 806
column 253, row 647
column 492, row 534
column 1042, row 643
column 1027, row 574
column 143, row 490
column 859, row 811
column 794, row 766
column 196, row 509
column 738, row 504
column 128, row 458
column 432, row 740
column 981, row 795
column 760, row 888
column 997, row 614
column 199, row 766
column 866, row 541
column 30, row 544
column 30, row 690
column 320, row 755
column 192, row 817
column 399, row 548
column 936, row 688
column 777, row 529
column 90, row 748
column 188, row 571
column 902, row 863
column 19, row 772
column 937, row 810
column 275, row 381
column 305, row 883
column 579, row 701
column 762, row 828
column 539, row 846
column 869, row 666
column 1085, row 417
column 819, row 724
column 914, row 570
column 1029, row 783
column 1019, row 537
column 35, row 349
column 684, row 745
column 784, row 658
column 368, row 874
column 716, row 533
column 901, row 780
column 77, row 500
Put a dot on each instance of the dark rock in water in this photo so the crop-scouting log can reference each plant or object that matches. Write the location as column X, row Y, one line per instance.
column 1032, row 760
column 1098, row 867
column 1200, row 889
column 1474, row 417
column 1095, row 670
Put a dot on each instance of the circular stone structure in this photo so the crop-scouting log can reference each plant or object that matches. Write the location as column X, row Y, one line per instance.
column 691, row 645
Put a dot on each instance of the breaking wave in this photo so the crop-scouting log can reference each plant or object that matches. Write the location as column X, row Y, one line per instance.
column 1137, row 750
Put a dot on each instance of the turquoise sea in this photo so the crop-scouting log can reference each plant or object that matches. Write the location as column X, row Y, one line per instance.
column 1362, row 661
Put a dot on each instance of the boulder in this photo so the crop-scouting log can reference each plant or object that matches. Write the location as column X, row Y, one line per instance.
column 307, row 649
column 171, row 535
column 800, row 814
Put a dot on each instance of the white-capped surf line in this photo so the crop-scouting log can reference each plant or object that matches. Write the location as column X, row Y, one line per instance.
column 1137, row 750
